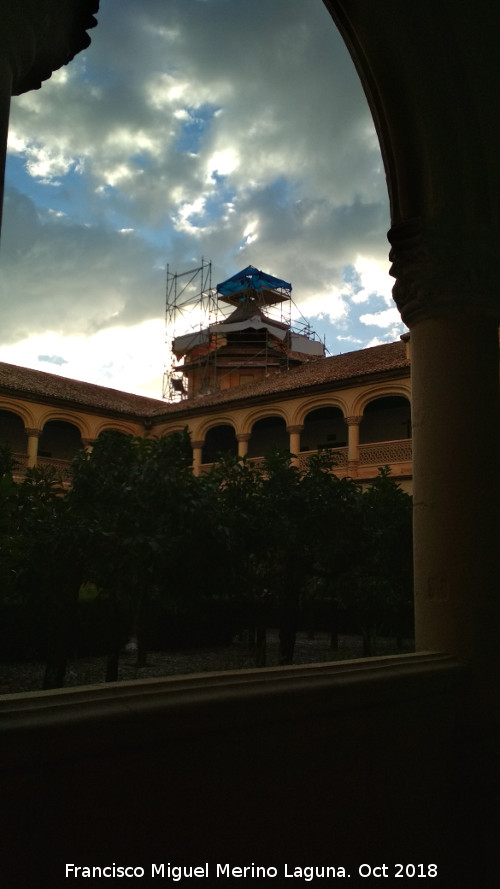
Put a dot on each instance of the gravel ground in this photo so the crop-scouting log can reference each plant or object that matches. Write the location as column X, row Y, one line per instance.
column 23, row 677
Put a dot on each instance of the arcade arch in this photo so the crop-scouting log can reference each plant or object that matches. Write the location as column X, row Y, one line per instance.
column 59, row 440
column 12, row 432
column 324, row 427
column 220, row 439
column 267, row 432
column 387, row 418
column 19, row 410
column 115, row 426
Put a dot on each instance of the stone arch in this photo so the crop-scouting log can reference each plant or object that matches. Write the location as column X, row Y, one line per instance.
column 115, row 426
column 401, row 389
column 12, row 431
column 324, row 427
column 21, row 410
column 161, row 432
column 200, row 431
column 73, row 419
column 219, row 439
column 316, row 403
column 385, row 418
column 60, row 439
column 261, row 413
column 267, row 431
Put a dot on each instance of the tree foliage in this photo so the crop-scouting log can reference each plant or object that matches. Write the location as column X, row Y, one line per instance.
column 267, row 543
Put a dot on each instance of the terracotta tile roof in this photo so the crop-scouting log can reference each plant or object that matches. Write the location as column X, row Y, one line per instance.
column 337, row 370
column 38, row 384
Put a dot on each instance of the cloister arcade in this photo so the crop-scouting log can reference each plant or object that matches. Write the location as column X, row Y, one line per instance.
column 378, row 435
column 38, row 436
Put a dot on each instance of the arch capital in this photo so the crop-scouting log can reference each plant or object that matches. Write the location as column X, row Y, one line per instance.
column 437, row 279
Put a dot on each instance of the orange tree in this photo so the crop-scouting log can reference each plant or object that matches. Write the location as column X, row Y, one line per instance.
column 131, row 494
column 379, row 584
column 46, row 566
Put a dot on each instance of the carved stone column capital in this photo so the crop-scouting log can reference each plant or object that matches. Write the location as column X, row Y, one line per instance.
column 243, row 436
column 31, row 432
column 442, row 274
column 197, row 445
column 39, row 36
column 353, row 421
column 295, row 429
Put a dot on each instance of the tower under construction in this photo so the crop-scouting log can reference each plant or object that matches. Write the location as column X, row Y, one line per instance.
column 241, row 331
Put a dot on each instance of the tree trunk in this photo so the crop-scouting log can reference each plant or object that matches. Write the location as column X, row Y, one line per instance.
column 251, row 636
column 112, row 662
column 260, row 646
column 141, row 630
column 334, row 639
column 288, row 636
column 334, row 629
column 288, row 628
column 369, row 641
column 54, row 673
column 115, row 641
column 59, row 636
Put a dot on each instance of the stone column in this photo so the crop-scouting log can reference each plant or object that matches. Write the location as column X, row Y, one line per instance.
column 88, row 444
column 197, row 447
column 294, row 433
column 33, row 436
column 37, row 37
column 452, row 309
column 5, row 94
column 243, row 438
column 353, row 445
column 18, row 65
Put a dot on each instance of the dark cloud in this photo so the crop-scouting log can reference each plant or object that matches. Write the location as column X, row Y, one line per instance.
column 233, row 130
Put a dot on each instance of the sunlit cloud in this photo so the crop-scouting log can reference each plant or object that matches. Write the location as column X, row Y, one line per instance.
column 183, row 132
column 386, row 318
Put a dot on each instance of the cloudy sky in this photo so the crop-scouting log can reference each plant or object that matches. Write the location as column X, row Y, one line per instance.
column 233, row 130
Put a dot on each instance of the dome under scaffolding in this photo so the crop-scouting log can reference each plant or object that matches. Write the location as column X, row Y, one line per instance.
column 237, row 333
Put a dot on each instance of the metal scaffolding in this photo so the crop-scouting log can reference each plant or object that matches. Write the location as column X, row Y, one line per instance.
column 200, row 319
column 191, row 306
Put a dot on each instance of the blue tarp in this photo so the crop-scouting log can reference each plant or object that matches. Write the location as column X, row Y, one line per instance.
column 251, row 277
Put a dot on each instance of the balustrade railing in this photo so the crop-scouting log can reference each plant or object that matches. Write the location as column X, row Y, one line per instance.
column 339, row 457
column 381, row 453
column 21, row 461
column 61, row 466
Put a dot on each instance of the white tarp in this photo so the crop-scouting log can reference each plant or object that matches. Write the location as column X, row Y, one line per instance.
column 255, row 322
column 301, row 343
